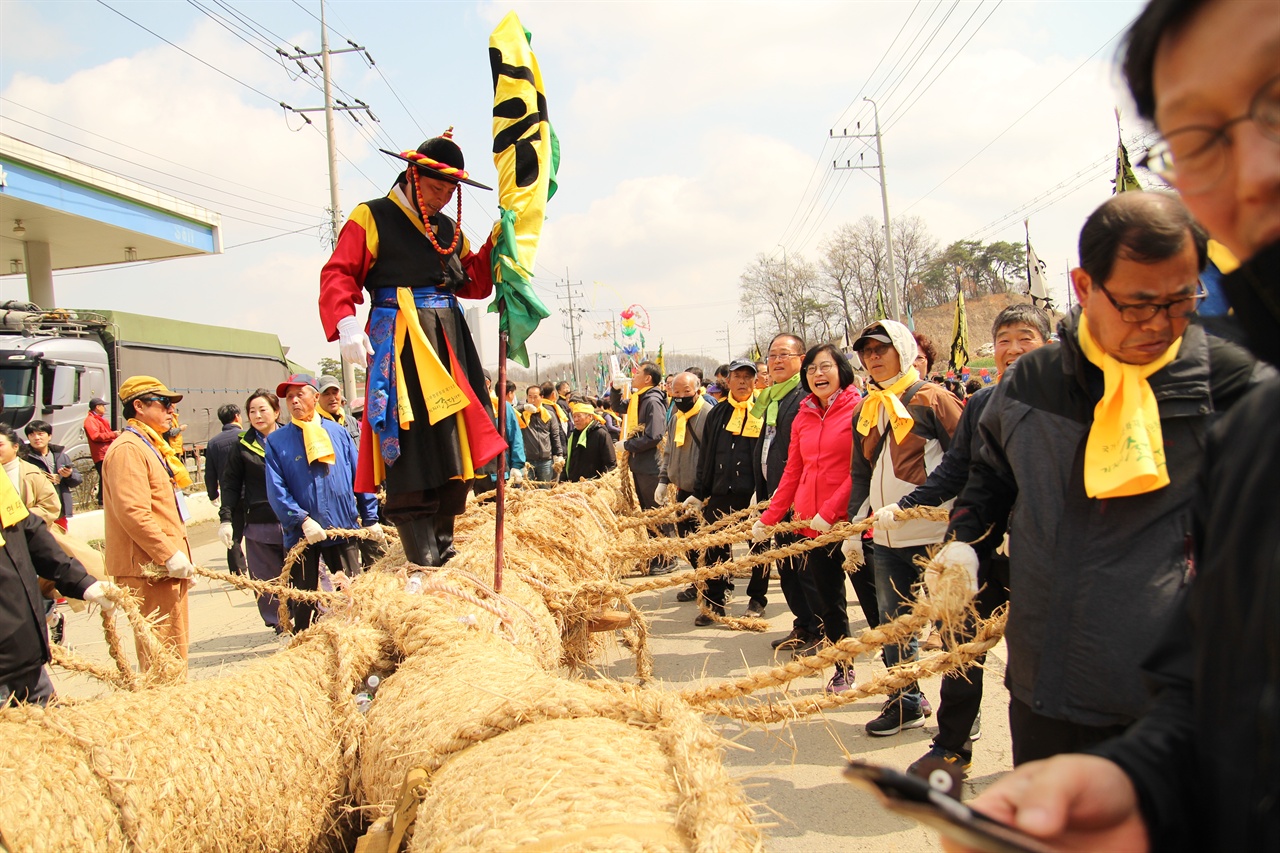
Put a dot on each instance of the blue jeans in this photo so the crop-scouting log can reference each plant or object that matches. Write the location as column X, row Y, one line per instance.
column 543, row 472
column 896, row 574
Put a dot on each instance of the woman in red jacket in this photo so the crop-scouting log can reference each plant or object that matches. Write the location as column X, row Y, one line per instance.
column 816, row 484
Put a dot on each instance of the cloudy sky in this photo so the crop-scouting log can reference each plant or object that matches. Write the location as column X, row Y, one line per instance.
column 695, row 136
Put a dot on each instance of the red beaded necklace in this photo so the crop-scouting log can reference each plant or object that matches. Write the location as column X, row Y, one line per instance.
column 426, row 224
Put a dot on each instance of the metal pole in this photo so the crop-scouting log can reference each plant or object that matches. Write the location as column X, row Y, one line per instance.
column 573, row 335
column 888, row 228
column 335, row 206
column 501, row 498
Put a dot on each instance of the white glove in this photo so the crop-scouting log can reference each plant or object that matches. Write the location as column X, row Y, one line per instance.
column 353, row 342
column 179, row 566
column 760, row 531
column 312, row 531
column 884, row 518
column 692, row 503
column 660, row 493
column 379, row 535
column 819, row 524
column 528, row 408
column 851, row 548
column 517, row 477
column 558, row 461
column 225, row 534
column 97, row 594
column 953, row 557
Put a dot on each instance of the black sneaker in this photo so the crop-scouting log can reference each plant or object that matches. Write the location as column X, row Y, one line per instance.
column 662, row 568
column 689, row 593
column 894, row 719
column 795, row 638
column 975, row 731
column 808, row 646
column 755, row 609
column 940, row 756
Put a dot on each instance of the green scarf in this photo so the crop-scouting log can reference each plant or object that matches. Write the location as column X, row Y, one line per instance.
column 767, row 400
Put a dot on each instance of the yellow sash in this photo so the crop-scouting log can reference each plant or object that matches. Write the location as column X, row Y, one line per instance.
column 12, row 509
column 633, row 409
column 340, row 419
column 177, row 470
column 742, row 422
column 316, row 440
column 1124, row 454
column 682, row 418
column 899, row 419
column 442, row 394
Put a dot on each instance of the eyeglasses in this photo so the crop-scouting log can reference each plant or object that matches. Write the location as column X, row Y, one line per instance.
column 875, row 350
column 163, row 401
column 1141, row 312
column 783, row 356
column 1195, row 158
column 825, row 367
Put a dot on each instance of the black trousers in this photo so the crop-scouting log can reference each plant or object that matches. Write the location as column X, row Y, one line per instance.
column 97, row 466
column 758, row 587
column 798, row 587
column 716, row 507
column 646, row 485
column 825, row 567
column 1036, row 736
column 687, row 526
column 341, row 555
column 235, row 554
column 962, row 692
column 864, row 585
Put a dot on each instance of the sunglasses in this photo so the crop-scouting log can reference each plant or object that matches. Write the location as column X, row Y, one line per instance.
column 163, row 401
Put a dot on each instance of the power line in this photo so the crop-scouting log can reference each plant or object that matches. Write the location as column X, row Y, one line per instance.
column 1012, row 124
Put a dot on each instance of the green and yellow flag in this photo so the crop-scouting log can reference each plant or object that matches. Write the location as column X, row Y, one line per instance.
column 960, row 336
column 527, row 155
column 1125, row 179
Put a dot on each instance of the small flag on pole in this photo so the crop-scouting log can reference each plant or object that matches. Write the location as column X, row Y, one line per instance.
column 1124, row 180
column 1037, row 279
column 960, row 334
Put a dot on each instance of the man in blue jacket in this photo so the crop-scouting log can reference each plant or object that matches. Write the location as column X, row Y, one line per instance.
column 311, row 465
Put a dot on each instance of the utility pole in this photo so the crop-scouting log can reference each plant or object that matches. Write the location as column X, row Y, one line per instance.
column 537, row 373
column 894, row 308
column 572, row 324
column 335, row 206
column 728, row 347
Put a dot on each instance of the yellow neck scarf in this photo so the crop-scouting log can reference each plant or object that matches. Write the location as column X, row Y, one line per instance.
column 177, row 470
column 340, row 419
column 742, row 422
column 633, row 409
column 1124, row 454
column 316, row 440
column 12, row 509
column 889, row 399
column 682, row 418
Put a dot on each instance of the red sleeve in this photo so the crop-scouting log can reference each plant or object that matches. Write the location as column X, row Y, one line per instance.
column 342, row 279
column 478, row 266
column 785, row 494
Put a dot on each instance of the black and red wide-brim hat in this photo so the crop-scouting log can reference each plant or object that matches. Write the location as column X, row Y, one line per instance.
column 439, row 158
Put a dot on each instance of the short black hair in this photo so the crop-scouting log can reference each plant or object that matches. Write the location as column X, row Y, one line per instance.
column 1141, row 43
column 973, row 386
column 9, row 433
column 648, row 368
column 843, row 368
column 39, row 426
column 563, row 384
column 531, row 388
column 795, row 339
column 696, row 371
column 265, row 393
column 228, row 412
column 1023, row 313
column 722, row 370
column 511, row 386
column 1146, row 227
column 548, row 389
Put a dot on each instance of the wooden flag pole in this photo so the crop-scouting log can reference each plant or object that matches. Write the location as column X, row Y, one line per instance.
column 500, row 514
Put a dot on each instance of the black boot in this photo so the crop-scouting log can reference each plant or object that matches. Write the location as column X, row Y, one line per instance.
column 418, row 536
column 444, row 537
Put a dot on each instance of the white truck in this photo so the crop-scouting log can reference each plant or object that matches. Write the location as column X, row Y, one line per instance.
column 52, row 363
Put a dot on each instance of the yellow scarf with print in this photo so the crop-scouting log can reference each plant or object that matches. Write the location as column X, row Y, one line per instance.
column 12, row 509
column 742, row 422
column 177, row 469
column 1124, row 454
column 682, row 418
column 889, row 399
column 316, row 441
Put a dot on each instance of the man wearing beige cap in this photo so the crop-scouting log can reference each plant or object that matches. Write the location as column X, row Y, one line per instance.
column 145, row 512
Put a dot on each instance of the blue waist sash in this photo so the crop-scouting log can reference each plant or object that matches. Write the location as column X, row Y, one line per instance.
column 381, row 406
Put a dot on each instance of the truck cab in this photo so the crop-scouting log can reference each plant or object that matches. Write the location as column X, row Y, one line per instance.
column 52, row 378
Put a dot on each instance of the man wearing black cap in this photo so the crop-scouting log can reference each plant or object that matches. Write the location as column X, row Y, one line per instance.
column 426, row 431
column 726, row 470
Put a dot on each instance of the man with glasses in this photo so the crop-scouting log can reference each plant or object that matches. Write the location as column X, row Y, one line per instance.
column 145, row 512
column 1198, row 770
column 1094, row 443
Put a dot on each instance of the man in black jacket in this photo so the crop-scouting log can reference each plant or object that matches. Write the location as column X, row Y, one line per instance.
column 1200, row 770
column 220, row 448
column 646, row 422
column 777, row 406
column 726, row 469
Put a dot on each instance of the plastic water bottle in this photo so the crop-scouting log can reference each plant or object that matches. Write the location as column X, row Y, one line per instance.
column 363, row 700
column 413, row 586
column 372, row 683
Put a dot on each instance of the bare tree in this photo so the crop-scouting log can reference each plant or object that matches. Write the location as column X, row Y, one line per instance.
column 913, row 250
column 787, row 298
